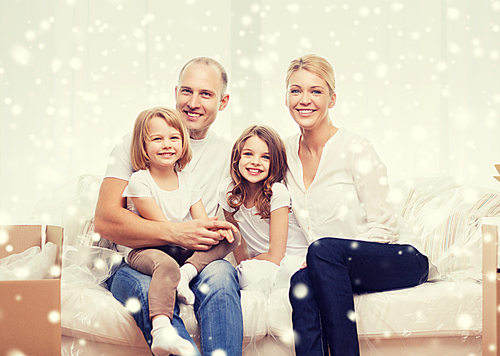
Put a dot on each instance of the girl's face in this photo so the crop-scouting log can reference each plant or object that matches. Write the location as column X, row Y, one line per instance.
column 164, row 144
column 255, row 160
column 308, row 99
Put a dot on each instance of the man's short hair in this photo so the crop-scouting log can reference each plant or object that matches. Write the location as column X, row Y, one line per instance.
column 209, row 62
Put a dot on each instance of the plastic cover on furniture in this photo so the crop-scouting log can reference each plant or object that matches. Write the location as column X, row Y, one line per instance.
column 72, row 205
column 443, row 317
column 89, row 312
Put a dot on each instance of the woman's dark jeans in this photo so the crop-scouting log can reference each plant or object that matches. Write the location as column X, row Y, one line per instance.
column 322, row 293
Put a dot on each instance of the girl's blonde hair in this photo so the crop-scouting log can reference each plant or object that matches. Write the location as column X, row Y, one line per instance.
column 314, row 64
column 277, row 170
column 139, row 156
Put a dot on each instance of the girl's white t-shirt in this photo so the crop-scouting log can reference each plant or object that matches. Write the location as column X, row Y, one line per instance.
column 255, row 230
column 175, row 204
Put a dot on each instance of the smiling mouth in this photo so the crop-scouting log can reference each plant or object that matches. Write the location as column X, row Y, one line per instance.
column 166, row 154
column 305, row 111
column 254, row 171
column 192, row 114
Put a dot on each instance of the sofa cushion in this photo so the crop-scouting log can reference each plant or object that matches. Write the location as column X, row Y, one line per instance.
column 447, row 216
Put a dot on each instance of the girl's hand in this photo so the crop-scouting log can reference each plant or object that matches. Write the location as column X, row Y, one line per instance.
column 227, row 234
column 304, row 265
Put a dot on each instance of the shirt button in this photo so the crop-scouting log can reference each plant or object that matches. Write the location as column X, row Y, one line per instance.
column 304, row 213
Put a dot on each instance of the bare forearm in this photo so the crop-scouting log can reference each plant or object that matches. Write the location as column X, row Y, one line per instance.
column 274, row 258
column 115, row 223
column 125, row 228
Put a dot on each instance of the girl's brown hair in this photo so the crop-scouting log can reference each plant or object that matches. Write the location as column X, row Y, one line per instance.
column 138, row 153
column 277, row 170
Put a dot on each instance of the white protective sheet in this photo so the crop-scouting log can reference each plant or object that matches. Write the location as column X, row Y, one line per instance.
column 32, row 263
column 441, row 317
column 89, row 312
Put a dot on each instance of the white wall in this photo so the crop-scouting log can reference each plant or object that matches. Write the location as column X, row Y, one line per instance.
column 419, row 78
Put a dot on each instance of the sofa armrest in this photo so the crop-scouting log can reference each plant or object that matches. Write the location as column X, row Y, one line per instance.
column 491, row 286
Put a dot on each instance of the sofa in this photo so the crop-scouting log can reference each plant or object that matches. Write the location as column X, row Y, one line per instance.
column 442, row 317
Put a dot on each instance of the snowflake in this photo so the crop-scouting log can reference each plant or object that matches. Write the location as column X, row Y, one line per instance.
column 300, row 291
column 54, row 316
column 133, row 305
column 465, row 321
column 351, row 315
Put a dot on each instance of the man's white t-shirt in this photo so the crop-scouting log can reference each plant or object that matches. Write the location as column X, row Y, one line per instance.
column 210, row 164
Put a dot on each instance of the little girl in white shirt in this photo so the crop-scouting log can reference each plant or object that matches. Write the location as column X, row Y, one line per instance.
column 258, row 203
column 159, row 190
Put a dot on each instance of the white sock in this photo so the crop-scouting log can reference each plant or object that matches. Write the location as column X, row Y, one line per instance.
column 166, row 341
column 184, row 293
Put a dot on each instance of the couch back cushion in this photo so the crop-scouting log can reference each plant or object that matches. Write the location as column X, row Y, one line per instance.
column 446, row 215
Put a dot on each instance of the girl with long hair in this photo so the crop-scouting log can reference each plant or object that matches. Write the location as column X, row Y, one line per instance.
column 256, row 200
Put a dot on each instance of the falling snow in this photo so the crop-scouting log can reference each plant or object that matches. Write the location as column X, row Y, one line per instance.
column 419, row 82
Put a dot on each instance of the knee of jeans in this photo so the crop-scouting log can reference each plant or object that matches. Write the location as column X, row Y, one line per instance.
column 219, row 275
column 317, row 247
column 331, row 249
column 129, row 283
column 298, row 277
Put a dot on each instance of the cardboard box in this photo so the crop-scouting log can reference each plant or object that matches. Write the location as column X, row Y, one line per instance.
column 30, row 310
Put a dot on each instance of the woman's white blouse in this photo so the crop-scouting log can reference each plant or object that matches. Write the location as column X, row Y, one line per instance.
column 349, row 196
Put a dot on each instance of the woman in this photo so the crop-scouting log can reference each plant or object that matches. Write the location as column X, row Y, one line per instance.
column 339, row 188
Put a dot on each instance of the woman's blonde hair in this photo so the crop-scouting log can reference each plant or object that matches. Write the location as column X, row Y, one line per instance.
column 314, row 64
column 277, row 170
column 138, row 152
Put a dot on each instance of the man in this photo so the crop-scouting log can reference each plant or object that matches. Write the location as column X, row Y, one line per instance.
column 199, row 95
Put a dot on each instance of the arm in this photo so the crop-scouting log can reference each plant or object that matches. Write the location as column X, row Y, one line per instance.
column 198, row 212
column 278, row 235
column 123, row 227
column 371, row 183
column 241, row 252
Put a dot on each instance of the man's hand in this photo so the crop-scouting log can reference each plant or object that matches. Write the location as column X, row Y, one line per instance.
column 201, row 234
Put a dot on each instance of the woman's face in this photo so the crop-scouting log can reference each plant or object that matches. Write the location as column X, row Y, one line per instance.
column 308, row 99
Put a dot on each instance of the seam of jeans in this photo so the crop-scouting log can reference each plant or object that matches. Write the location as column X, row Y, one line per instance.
column 321, row 335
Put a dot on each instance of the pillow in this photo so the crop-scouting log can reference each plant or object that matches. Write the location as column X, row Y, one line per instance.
column 449, row 224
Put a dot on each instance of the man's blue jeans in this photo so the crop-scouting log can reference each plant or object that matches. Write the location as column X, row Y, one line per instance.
column 217, row 306
column 322, row 293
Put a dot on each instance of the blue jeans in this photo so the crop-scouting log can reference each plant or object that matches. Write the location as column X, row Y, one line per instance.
column 217, row 306
column 322, row 293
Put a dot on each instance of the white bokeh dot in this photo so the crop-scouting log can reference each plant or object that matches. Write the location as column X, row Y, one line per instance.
column 54, row 316
column 133, row 305
column 4, row 237
column 465, row 321
column 204, row 288
column 218, row 352
column 300, row 291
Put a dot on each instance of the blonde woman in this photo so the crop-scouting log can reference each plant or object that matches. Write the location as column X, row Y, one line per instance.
column 339, row 190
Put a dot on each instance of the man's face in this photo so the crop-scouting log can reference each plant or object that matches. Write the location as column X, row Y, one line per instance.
column 199, row 99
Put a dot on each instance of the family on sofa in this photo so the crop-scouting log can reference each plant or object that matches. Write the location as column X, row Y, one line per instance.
column 320, row 198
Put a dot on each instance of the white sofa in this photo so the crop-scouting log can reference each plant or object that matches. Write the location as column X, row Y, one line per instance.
column 438, row 318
